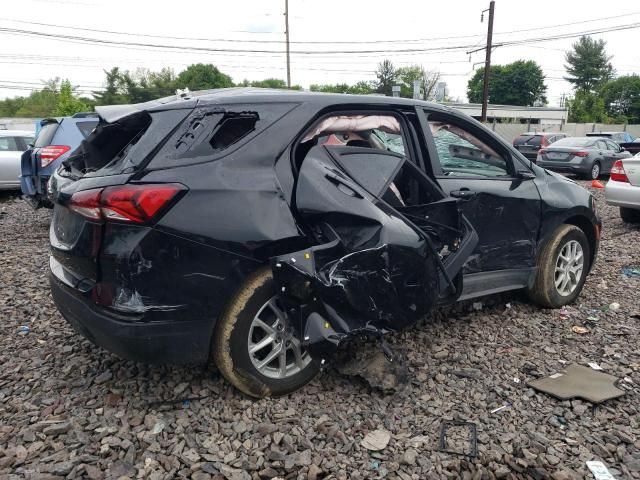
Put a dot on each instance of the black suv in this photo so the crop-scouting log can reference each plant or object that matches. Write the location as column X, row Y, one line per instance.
column 265, row 229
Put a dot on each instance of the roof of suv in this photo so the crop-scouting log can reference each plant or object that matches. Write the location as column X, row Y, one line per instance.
column 241, row 95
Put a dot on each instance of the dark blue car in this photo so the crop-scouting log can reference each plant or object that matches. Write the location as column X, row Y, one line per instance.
column 57, row 138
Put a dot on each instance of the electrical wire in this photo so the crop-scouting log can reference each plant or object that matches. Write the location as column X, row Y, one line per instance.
column 313, row 42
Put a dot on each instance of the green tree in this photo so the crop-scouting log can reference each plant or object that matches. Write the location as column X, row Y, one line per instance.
column 202, row 76
column 588, row 65
column 269, row 83
column 116, row 90
column 621, row 99
column 517, row 83
column 39, row 103
column 360, row 88
column 407, row 75
column 386, row 75
column 587, row 107
column 68, row 104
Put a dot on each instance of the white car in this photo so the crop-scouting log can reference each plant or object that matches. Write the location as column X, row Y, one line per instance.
column 12, row 144
column 623, row 188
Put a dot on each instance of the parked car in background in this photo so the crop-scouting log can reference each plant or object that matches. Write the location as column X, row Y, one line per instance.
column 623, row 188
column 530, row 143
column 618, row 137
column 12, row 144
column 587, row 157
column 57, row 138
column 629, row 142
column 266, row 229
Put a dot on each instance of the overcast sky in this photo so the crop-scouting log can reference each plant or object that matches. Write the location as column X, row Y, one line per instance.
column 443, row 30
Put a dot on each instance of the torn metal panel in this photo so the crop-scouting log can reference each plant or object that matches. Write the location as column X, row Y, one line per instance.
column 377, row 272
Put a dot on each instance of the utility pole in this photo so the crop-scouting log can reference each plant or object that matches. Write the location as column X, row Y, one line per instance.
column 286, row 32
column 487, row 62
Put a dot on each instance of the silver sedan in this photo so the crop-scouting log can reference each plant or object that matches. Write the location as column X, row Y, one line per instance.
column 12, row 144
column 623, row 188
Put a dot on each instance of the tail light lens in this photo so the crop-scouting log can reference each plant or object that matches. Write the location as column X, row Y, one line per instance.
column 127, row 203
column 617, row 172
column 51, row 153
column 581, row 153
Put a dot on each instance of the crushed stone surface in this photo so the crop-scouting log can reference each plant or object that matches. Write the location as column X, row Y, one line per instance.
column 72, row 410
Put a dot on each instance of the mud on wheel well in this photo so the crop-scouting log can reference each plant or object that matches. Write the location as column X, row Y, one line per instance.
column 586, row 226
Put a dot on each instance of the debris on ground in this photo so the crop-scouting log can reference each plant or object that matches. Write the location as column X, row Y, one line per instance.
column 370, row 363
column 458, row 437
column 599, row 470
column 630, row 272
column 579, row 330
column 579, row 382
column 376, row 440
column 496, row 410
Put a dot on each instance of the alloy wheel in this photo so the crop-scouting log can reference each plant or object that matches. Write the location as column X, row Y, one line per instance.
column 595, row 171
column 274, row 349
column 569, row 268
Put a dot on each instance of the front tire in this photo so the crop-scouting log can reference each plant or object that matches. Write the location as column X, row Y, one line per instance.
column 629, row 215
column 563, row 264
column 254, row 345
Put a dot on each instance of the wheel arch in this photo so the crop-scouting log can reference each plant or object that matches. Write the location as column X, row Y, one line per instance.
column 587, row 227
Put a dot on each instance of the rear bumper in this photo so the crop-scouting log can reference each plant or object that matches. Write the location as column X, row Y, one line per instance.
column 566, row 167
column 622, row 194
column 133, row 337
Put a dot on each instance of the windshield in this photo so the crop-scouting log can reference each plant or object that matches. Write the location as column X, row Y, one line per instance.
column 534, row 140
column 574, row 142
column 45, row 136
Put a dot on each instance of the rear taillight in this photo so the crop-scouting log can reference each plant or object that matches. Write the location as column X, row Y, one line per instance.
column 581, row 153
column 126, row 203
column 617, row 172
column 51, row 153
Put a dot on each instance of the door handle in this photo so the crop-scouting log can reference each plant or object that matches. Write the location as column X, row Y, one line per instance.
column 463, row 194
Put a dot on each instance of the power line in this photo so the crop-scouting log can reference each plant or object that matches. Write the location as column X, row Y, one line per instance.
column 107, row 42
column 311, row 42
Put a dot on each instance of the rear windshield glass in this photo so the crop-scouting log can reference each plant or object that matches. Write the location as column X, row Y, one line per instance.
column 45, row 136
column 86, row 127
column 574, row 142
column 535, row 140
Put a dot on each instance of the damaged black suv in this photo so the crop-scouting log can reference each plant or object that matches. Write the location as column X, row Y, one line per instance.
column 265, row 229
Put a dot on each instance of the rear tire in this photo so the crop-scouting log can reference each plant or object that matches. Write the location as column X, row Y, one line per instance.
column 549, row 288
column 629, row 215
column 233, row 339
column 596, row 171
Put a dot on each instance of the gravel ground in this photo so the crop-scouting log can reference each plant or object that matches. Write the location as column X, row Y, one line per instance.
column 71, row 410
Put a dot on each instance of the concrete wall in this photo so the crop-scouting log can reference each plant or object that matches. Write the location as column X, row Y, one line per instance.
column 509, row 131
column 15, row 123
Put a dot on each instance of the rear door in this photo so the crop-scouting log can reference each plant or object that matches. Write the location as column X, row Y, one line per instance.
column 374, row 268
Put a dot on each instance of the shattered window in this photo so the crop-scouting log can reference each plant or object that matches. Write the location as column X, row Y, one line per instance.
column 461, row 153
column 233, row 128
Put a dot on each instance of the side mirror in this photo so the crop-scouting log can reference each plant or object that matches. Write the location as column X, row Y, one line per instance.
column 525, row 175
column 622, row 149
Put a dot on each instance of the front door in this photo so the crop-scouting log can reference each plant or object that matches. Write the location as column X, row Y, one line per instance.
column 502, row 204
